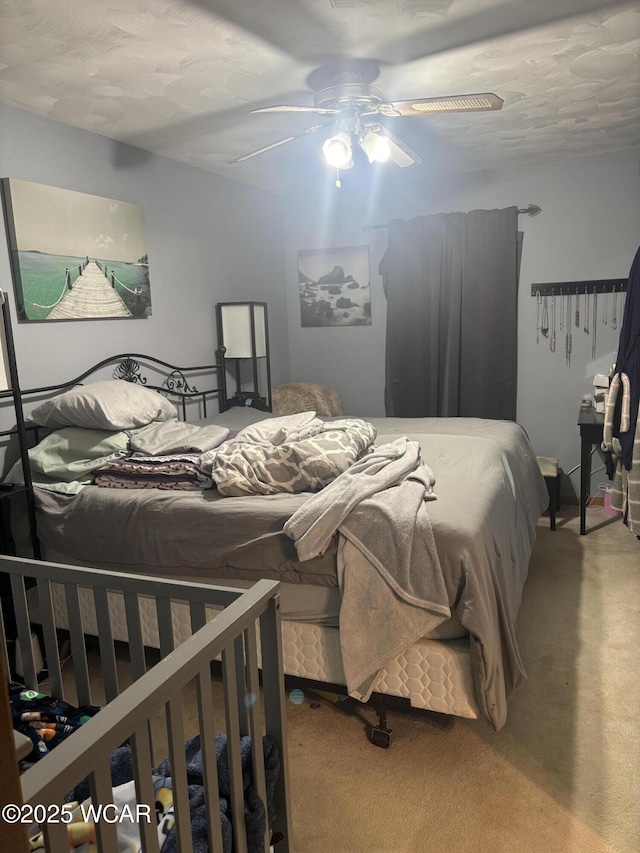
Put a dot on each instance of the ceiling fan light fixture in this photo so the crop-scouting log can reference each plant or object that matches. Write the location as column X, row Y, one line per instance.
column 376, row 147
column 337, row 151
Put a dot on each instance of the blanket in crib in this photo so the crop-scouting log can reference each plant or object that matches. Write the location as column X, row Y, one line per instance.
column 255, row 811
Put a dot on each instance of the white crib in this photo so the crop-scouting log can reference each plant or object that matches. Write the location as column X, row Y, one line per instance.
column 229, row 635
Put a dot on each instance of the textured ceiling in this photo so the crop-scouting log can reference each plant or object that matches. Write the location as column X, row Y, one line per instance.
column 178, row 78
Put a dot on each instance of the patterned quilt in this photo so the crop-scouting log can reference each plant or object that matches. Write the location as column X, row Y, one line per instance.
column 297, row 453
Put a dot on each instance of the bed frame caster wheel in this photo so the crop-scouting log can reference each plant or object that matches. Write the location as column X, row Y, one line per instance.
column 380, row 737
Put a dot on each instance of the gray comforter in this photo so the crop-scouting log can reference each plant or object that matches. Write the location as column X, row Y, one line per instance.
column 387, row 558
column 490, row 495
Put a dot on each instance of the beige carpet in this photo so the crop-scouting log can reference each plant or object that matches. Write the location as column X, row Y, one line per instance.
column 563, row 776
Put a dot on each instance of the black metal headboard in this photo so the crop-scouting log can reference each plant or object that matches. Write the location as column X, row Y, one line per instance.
column 198, row 385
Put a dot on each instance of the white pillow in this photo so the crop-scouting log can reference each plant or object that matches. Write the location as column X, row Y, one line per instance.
column 112, row 404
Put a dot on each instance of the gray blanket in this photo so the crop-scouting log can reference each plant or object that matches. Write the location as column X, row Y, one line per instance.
column 164, row 438
column 387, row 558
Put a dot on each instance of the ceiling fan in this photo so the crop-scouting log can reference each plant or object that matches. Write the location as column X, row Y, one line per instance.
column 344, row 91
column 343, row 85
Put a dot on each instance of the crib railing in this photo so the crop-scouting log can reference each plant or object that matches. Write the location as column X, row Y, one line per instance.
column 230, row 635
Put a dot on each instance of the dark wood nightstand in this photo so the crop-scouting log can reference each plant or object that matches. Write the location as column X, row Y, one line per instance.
column 591, row 425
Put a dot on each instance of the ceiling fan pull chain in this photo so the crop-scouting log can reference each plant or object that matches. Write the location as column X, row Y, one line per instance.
column 338, row 181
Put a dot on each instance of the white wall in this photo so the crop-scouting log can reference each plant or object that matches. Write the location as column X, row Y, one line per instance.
column 589, row 228
column 213, row 240
column 208, row 240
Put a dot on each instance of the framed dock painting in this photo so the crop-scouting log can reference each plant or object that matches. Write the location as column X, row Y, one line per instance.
column 334, row 286
column 75, row 256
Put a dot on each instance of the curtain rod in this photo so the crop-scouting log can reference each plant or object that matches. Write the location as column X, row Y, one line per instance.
column 530, row 210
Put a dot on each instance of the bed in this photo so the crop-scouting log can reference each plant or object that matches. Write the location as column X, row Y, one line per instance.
column 215, row 788
column 487, row 497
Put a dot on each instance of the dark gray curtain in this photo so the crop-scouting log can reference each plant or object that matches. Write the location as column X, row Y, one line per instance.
column 451, row 282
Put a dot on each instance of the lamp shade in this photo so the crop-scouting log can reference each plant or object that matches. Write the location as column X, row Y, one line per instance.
column 235, row 326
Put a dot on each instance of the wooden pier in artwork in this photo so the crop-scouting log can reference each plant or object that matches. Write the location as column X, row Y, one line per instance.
column 91, row 295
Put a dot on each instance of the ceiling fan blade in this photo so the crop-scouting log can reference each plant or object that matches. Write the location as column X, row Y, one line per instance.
column 488, row 23
column 182, row 132
column 277, row 144
column 286, row 24
column 283, row 108
column 444, row 104
column 401, row 154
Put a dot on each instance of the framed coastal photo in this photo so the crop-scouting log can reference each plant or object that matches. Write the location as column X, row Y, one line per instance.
column 75, row 256
column 334, row 286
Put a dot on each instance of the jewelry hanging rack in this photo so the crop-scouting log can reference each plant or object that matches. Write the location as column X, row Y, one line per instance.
column 559, row 288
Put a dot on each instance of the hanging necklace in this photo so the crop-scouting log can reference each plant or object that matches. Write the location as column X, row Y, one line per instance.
column 538, row 315
column 614, row 308
column 552, row 339
column 568, row 341
column 586, row 312
column 561, row 311
column 544, row 325
column 577, row 309
column 594, row 323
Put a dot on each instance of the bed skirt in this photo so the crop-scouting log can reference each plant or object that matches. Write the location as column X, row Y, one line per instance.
column 434, row 675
